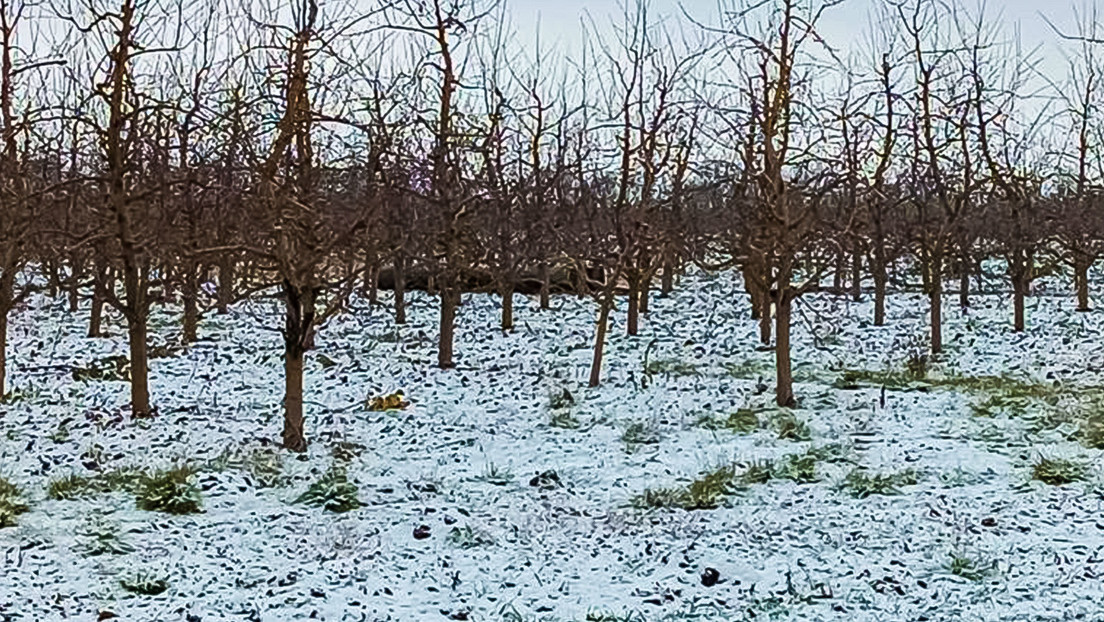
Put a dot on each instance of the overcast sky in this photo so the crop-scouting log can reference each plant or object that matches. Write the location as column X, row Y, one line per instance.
column 842, row 26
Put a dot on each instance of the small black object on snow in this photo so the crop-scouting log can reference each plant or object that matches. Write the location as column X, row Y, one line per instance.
column 760, row 386
column 546, row 480
column 566, row 399
column 421, row 532
column 710, row 577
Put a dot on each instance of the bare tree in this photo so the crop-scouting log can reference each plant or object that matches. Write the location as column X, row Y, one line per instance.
column 1080, row 223
column 20, row 191
column 787, row 184
column 997, row 89
column 939, row 123
column 127, row 134
column 299, row 202
column 445, row 24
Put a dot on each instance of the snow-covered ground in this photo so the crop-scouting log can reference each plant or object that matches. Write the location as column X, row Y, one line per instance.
column 463, row 454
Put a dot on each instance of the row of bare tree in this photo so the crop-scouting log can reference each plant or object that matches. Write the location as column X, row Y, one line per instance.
column 149, row 150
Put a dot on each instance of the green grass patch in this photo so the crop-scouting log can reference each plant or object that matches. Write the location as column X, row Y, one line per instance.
column 790, row 428
column 332, row 492
column 747, row 370
column 564, row 420
column 1091, row 432
column 126, row 479
column 20, row 394
column 639, row 433
column 110, row 368
column 800, row 468
column 609, row 616
column 171, row 491
column 495, row 475
column 831, row 453
column 145, row 583
column 853, row 379
column 103, row 537
column 707, row 492
column 68, row 487
column 658, row 498
column 1006, row 387
column 862, row 483
column 712, row 488
column 743, row 421
column 12, row 503
column 1000, row 404
column 1059, row 472
column 968, row 568
column 670, row 367
column 759, row 472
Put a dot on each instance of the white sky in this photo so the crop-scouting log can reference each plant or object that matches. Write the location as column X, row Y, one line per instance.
column 841, row 26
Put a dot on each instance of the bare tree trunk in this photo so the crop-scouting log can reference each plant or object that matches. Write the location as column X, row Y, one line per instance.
column 856, row 271
column 53, row 278
column 545, row 285
column 765, row 318
column 7, row 295
column 168, row 276
column 837, row 277
column 399, row 267
column 1081, row 280
column 760, row 302
column 881, row 279
column 633, row 314
column 1019, row 269
column 293, row 436
column 450, row 299
column 298, row 328
column 190, row 291
column 964, row 282
column 784, row 395
column 925, row 271
column 667, row 280
column 73, row 286
column 645, row 294
column 1019, row 292
column 507, row 292
column 582, row 285
column 95, row 316
column 3, row 350
column 599, row 342
column 371, row 282
column 139, row 366
column 102, row 279
column 935, row 296
column 226, row 277
column 136, row 309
